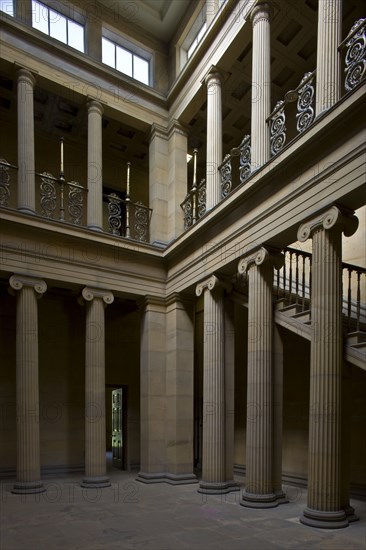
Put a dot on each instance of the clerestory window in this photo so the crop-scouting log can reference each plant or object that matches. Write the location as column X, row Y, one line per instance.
column 125, row 61
column 57, row 26
column 7, row 7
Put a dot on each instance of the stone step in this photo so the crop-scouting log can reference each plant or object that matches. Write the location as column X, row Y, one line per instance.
column 360, row 346
column 303, row 316
column 356, row 337
column 291, row 310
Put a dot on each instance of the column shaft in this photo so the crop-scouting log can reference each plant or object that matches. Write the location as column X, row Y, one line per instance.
column 27, row 390
column 177, row 181
column 328, row 57
column 158, row 185
column 95, row 167
column 261, row 86
column 26, row 164
column 214, row 140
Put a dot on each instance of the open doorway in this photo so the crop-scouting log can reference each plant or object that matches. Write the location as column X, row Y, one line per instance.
column 116, row 425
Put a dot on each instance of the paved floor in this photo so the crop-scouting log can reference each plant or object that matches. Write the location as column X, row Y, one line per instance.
column 131, row 515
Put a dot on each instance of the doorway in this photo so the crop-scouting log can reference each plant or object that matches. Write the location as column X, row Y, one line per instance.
column 116, row 404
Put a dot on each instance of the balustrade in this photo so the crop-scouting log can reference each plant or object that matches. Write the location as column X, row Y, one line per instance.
column 7, row 189
column 60, row 199
column 226, row 167
column 128, row 219
column 355, row 55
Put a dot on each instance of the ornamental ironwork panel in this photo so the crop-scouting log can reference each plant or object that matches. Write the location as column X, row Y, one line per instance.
column 75, row 202
column 278, row 128
column 201, row 196
column 48, row 194
column 4, row 183
column 187, row 207
column 245, row 159
column 226, row 177
column 305, row 102
column 141, row 221
column 114, row 214
column 355, row 56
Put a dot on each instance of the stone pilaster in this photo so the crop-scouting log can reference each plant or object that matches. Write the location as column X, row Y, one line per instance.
column 261, row 85
column 214, row 137
column 260, row 487
column 324, row 506
column 214, row 479
column 95, row 423
column 95, row 166
column 328, row 58
column 229, row 353
column 179, row 390
column 177, row 178
column 277, row 412
column 158, row 184
column 27, row 389
column 26, row 166
column 346, row 441
column 153, row 391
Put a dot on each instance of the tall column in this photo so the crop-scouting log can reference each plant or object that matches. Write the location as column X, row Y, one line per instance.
column 214, row 479
column 179, row 390
column 177, row 180
column 260, row 487
column 95, row 424
column 95, row 166
column 27, row 390
column 26, row 167
column 214, row 137
column 153, row 391
column 261, row 85
column 324, row 506
column 328, row 57
column 158, row 184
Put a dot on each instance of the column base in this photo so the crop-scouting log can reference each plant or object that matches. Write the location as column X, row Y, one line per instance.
column 217, row 488
column 180, row 479
column 28, row 487
column 26, row 210
column 95, row 228
column 254, row 500
column 324, row 520
column 151, row 478
column 281, row 497
column 95, row 482
column 350, row 514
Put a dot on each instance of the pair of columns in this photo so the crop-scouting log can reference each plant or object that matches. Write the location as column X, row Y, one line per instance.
column 28, row 290
column 26, row 158
column 327, row 88
column 328, row 493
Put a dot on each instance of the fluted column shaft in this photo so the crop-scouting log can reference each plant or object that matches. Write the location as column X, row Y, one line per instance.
column 26, row 165
column 259, row 490
column 95, row 166
column 95, row 422
column 27, row 390
column 324, row 506
column 214, row 139
column 213, row 445
column 261, row 85
column 328, row 57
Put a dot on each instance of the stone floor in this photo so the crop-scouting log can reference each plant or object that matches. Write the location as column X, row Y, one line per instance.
column 131, row 515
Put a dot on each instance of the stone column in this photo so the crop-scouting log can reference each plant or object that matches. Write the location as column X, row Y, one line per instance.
column 153, row 391
column 214, row 479
column 214, row 137
column 95, row 425
column 26, row 166
column 260, row 487
column 95, row 166
column 27, row 390
column 158, row 184
column 179, row 390
column 324, row 506
column 328, row 58
column 177, row 178
column 261, row 85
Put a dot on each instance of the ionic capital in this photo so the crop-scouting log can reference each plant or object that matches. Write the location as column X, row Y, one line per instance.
column 213, row 77
column 261, row 12
column 261, row 256
column 94, row 106
column 213, row 283
column 25, row 76
column 335, row 216
column 17, row 282
column 89, row 294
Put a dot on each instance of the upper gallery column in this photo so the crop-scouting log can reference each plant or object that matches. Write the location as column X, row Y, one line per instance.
column 95, row 427
column 95, row 166
column 328, row 57
column 26, row 167
column 260, row 490
column 214, row 471
column 261, row 85
column 214, row 137
column 27, row 389
column 324, row 500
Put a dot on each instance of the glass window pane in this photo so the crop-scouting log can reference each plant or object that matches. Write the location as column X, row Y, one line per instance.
column 39, row 17
column 7, row 7
column 201, row 33
column 192, row 47
column 58, row 26
column 141, row 69
column 108, row 53
column 124, row 61
column 75, row 35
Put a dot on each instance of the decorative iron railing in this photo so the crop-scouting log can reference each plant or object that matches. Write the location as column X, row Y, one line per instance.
column 304, row 94
column 60, row 199
column 194, row 204
column 355, row 55
column 128, row 219
column 5, row 182
column 226, row 167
